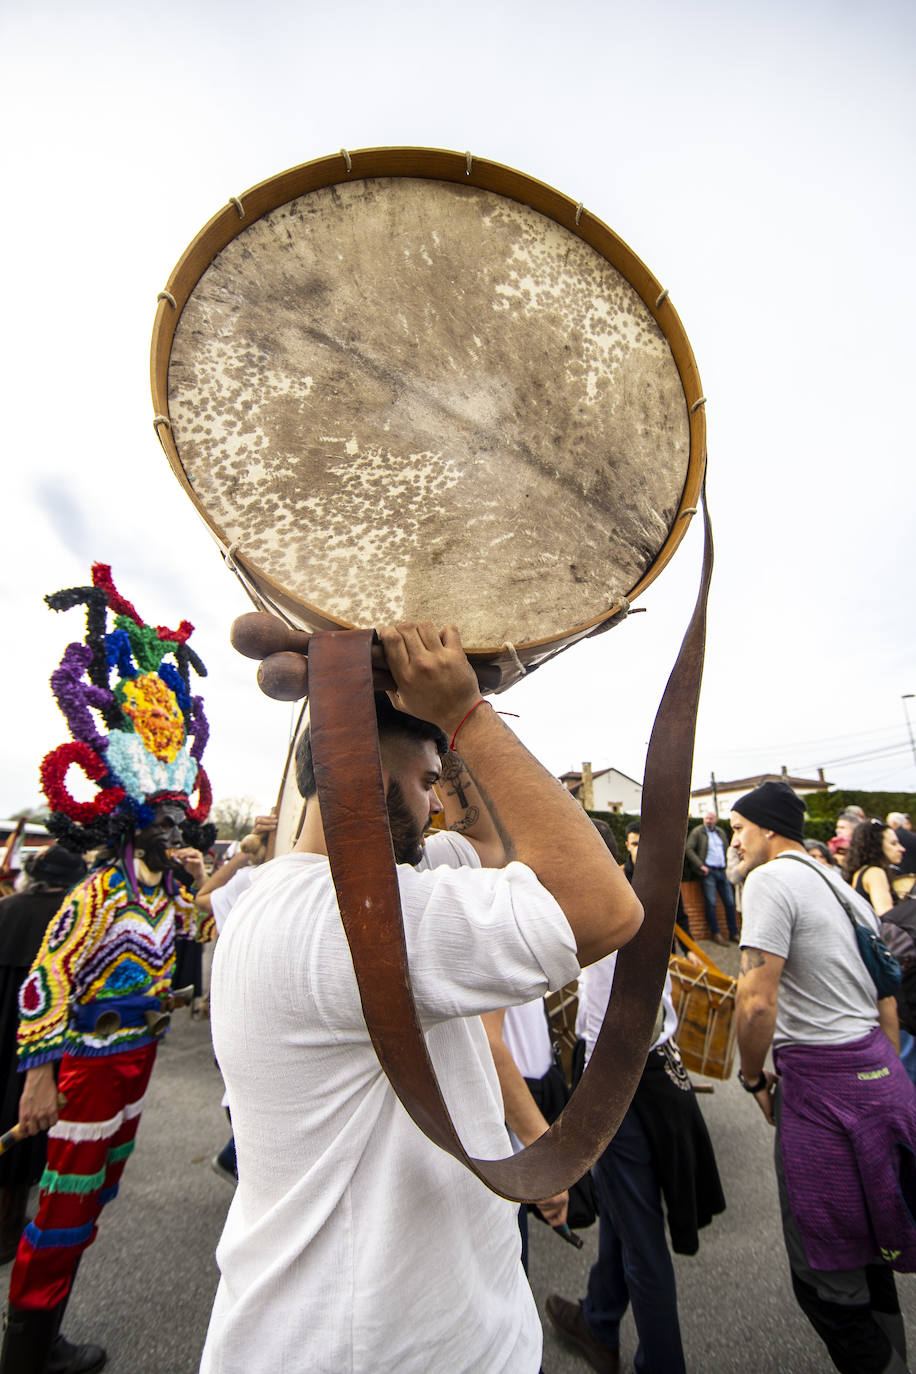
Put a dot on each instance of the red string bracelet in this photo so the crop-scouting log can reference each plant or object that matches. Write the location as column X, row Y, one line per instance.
column 471, row 712
column 464, row 718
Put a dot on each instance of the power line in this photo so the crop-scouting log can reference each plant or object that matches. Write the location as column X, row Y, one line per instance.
column 887, row 749
column 808, row 743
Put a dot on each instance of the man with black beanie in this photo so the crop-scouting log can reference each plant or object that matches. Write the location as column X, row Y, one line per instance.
column 843, row 1107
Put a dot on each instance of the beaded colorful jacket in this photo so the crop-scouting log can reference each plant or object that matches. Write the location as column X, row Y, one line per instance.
column 107, row 942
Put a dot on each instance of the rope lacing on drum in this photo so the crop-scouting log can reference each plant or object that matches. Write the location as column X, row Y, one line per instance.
column 579, row 208
column 240, row 209
column 517, row 663
column 167, row 296
column 161, row 420
column 469, row 163
column 691, row 510
column 701, row 401
column 250, row 588
column 347, row 159
column 660, row 299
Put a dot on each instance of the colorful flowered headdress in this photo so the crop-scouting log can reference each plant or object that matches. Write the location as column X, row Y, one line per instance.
column 157, row 730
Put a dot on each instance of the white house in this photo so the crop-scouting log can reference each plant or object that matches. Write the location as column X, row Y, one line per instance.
column 703, row 799
column 605, row 790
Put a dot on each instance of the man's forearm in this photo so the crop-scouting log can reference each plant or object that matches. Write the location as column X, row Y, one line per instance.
column 756, row 1021
column 889, row 1021
column 693, row 858
column 540, row 824
column 221, row 877
column 522, row 1114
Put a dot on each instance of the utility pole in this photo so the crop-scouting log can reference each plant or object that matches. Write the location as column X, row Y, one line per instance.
column 715, row 795
column 905, row 697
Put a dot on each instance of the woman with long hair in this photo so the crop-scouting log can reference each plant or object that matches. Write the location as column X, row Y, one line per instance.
column 873, row 851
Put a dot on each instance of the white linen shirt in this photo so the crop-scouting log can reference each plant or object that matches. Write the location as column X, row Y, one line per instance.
column 595, row 987
column 354, row 1245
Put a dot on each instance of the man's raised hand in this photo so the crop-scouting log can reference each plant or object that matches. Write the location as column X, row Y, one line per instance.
column 434, row 679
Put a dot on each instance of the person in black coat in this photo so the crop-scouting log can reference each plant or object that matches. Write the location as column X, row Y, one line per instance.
column 24, row 917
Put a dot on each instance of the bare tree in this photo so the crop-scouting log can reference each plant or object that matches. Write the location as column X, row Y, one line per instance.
column 233, row 817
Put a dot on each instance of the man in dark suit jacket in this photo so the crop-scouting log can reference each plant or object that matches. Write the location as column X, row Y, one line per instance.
column 706, row 847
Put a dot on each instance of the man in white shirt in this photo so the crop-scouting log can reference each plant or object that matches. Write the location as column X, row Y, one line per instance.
column 660, row 1161
column 352, row 1243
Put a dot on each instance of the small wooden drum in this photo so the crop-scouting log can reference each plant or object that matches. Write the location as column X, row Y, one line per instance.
column 405, row 383
column 705, row 1000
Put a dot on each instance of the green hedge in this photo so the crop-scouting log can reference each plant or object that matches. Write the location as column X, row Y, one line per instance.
column 823, row 809
column 618, row 821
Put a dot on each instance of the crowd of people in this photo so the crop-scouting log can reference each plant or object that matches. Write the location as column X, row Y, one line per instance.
column 344, row 1213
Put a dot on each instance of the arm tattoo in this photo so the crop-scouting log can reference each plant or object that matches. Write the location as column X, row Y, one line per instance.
column 452, row 770
column 751, row 959
column 467, row 821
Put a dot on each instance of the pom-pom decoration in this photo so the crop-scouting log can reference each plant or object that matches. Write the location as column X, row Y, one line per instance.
column 201, row 811
column 156, row 730
column 54, row 767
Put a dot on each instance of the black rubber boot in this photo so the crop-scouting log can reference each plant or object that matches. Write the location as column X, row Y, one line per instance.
column 66, row 1358
column 27, row 1340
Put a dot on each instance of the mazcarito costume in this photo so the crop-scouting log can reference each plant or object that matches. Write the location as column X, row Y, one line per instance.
column 109, row 951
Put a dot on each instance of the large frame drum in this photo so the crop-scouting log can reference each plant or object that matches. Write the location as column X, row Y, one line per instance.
column 404, row 382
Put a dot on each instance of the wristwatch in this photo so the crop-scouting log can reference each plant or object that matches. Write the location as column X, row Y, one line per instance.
column 757, row 1087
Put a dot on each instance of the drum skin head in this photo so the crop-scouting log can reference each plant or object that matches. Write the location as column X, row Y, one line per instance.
column 403, row 397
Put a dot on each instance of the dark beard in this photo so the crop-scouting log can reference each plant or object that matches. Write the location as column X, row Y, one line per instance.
column 406, row 837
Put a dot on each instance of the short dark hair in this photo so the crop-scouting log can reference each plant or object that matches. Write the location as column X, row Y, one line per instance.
column 391, row 722
column 633, row 828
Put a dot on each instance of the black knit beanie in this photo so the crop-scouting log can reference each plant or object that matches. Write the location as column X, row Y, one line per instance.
column 774, row 806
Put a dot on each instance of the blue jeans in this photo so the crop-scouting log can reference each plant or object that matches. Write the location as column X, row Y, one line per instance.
column 634, row 1264
column 715, row 880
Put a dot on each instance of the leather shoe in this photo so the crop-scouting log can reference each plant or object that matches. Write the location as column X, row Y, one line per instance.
column 719, row 938
column 569, row 1319
column 66, row 1358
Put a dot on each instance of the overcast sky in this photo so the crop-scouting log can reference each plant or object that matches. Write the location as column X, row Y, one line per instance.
column 758, row 158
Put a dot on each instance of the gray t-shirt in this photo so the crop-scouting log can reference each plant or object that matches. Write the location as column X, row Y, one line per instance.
column 826, row 995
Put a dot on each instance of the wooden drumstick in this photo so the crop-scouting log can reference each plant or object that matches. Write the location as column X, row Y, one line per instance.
column 16, row 1133
column 258, row 635
column 285, row 676
column 283, row 672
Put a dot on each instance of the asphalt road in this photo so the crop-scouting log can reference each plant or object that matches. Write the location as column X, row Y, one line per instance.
column 146, row 1286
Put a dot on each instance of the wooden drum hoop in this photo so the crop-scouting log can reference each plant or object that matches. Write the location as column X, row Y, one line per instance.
column 201, row 301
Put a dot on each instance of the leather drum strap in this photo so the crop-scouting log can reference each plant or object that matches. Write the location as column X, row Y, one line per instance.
column 349, row 776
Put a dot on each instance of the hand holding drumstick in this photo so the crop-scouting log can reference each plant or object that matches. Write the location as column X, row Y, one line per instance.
column 283, row 672
column 38, row 1106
